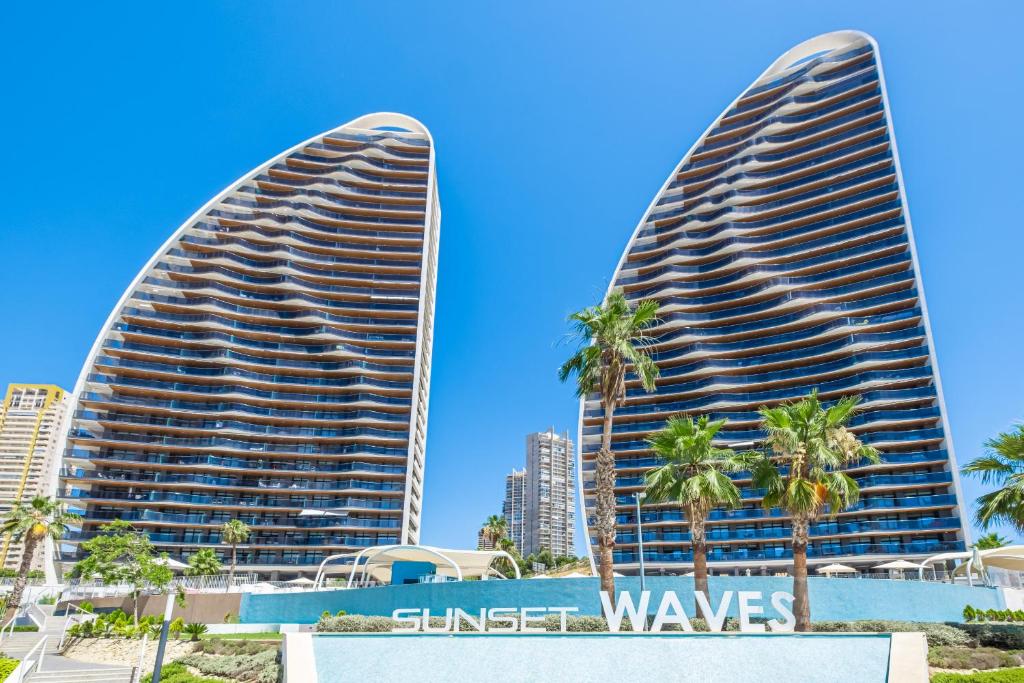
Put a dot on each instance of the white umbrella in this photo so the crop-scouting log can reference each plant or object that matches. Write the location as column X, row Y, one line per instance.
column 617, row 574
column 302, row 580
column 540, row 576
column 898, row 564
column 688, row 574
column 836, row 569
column 574, row 575
column 171, row 564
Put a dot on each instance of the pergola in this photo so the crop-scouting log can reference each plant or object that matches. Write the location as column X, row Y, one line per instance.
column 1009, row 557
column 376, row 562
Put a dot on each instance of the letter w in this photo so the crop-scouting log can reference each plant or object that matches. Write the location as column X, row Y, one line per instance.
column 624, row 605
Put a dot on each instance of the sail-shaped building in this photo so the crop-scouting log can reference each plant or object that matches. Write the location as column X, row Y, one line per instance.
column 271, row 362
column 781, row 253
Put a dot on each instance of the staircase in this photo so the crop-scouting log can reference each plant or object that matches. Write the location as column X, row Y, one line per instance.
column 57, row 669
column 111, row 675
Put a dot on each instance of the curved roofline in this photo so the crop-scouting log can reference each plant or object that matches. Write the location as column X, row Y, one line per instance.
column 825, row 41
column 367, row 121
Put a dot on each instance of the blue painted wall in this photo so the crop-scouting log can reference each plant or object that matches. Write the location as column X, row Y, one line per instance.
column 404, row 571
column 831, row 599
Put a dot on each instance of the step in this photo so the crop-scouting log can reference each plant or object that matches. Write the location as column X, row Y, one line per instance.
column 83, row 675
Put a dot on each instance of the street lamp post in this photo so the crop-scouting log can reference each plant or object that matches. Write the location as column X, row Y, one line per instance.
column 638, row 496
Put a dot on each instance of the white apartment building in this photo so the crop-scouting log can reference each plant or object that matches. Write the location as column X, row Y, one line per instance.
column 550, row 519
column 514, row 508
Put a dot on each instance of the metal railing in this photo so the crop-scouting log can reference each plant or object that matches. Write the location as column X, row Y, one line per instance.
column 28, row 664
column 81, row 616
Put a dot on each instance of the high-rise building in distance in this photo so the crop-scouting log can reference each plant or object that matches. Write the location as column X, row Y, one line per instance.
column 781, row 253
column 32, row 420
column 514, row 508
column 271, row 362
column 550, row 510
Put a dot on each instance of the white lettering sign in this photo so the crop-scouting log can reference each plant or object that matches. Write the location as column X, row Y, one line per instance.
column 749, row 604
column 670, row 611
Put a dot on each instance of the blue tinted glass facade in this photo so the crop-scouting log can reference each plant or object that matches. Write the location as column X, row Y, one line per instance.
column 781, row 254
column 272, row 362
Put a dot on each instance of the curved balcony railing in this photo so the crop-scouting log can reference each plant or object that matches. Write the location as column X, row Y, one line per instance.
column 740, row 555
column 140, row 477
column 291, row 501
column 215, row 390
column 281, row 466
column 199, row 407
column 789, row 393
column 235, row 444
column 103, row 362
column 274, row 430
column 215, row 354
column 725, row 435
column 214, row 518
column 785, row 532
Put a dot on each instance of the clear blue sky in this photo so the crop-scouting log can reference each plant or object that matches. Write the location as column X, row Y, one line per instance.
column 555, row 126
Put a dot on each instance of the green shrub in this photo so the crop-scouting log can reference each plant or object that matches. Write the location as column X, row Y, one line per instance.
column 1002, row 636
column 25, row 628
column 354, row 624
column 945, row 657
column 227, row 646
column 195, row 630
column 48, row 600
column 1001, row 676
column 177, row 673
column 339, row 613
column 937, row 634
column 7, row 665
column 85, row 606
column 261, row 667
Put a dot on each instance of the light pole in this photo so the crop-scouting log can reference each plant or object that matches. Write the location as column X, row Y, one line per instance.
column 638, row 496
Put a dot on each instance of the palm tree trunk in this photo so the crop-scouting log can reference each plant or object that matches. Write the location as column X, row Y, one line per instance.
column 604, row 477
column 801, row 600
column 700, row 558
column 234, row 561
column 18, row 589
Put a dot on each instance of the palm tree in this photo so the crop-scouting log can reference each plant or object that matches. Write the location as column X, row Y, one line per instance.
column 31, row 523
column 810, row 445
column 495, row 529
column 613, row 337
column 1002, row 465
column 990, row 541
column 694, row 476
column 234, row 532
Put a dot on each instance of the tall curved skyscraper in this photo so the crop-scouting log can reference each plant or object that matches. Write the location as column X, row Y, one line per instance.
column 781, row 252
column 271, row 362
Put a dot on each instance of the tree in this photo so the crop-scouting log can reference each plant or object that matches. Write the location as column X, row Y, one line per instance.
column 809, row 445
column 1001, row 465
column 204, row 563
column 495, row 529
column 121, row 555
column 694, row 476
column 29, row 523
column 990, row 541
column 613, row 340
column 234, row 532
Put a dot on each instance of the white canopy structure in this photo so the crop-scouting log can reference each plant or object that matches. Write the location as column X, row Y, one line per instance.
column 836, row 569
column 1010, row 557
column 898, row 564
column 376, row 562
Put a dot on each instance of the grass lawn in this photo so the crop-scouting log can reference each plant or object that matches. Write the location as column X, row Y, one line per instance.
column 269, row 635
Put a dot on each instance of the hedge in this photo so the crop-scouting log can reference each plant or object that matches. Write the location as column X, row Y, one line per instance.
column 1001, row 676
column 177, row 673
column 7, row 665
column 937, row 634
column 1002, row 636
